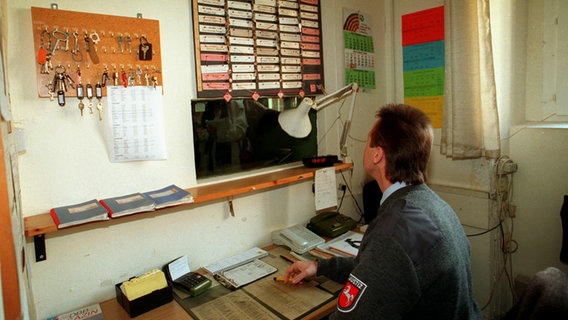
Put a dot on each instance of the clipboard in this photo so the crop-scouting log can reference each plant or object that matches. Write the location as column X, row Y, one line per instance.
column 244, row 274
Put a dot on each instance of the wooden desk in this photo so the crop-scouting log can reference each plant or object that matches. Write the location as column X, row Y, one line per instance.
column 174, row 311
column 169, row 311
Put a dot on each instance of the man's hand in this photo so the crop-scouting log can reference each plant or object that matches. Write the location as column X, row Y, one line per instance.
column 300, row 270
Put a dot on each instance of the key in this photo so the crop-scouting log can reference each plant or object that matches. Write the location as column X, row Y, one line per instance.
column 66, row 46
column 59, row 36
column 139, row 74
column 76, row 44
column 99, row 95
column 90, row 97
column 50, row 90
column 69, row 80
column 119, row 40
column 128, row 40
column 81, row 96
column 131, row 80
column 154, row 81
column 47, row 66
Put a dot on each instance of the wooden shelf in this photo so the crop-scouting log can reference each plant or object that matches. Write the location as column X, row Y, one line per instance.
column 43, row 223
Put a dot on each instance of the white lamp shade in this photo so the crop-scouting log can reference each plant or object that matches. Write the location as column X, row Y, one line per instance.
column 296, row 122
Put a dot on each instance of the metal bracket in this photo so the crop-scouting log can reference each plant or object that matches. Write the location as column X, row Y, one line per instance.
column 39, row 246
column 231, row 209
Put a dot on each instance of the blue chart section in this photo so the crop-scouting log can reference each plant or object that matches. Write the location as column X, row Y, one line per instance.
column 426, row 55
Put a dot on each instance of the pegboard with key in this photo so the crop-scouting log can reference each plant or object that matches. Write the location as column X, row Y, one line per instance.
column 73, row 48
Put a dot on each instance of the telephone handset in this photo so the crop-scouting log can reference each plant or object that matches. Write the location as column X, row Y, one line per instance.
column 297, row 238
column 331, row 224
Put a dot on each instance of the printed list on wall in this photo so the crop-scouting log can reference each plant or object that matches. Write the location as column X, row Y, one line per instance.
column 135, row 125
column 424, row 61
column 257, row 48
column 359, row 49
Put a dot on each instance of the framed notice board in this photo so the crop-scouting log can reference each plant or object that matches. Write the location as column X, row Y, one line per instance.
column 254, row 48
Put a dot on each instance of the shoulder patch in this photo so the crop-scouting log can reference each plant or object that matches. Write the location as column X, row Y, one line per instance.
column 351, row 293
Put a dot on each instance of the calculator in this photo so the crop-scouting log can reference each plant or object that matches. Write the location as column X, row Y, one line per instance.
column 193, row 283
column 178, row 273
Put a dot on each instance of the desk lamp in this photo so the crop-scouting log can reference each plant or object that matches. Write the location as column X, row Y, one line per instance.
column 296, row 122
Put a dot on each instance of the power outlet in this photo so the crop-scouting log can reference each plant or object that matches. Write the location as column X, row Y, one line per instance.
column 342, row 187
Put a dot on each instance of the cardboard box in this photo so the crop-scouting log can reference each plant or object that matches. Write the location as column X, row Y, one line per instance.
column 145, row 303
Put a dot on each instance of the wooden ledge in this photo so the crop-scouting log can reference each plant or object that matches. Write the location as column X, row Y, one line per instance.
column 43, row 223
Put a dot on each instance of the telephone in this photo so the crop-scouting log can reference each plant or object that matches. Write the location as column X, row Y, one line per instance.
column 331, row 224
column 297, row 238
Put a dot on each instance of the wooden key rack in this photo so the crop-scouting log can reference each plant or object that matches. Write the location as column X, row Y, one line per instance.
column 61, row 41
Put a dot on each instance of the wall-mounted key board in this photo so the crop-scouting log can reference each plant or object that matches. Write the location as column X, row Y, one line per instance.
column 253, row 48
column 94, row 50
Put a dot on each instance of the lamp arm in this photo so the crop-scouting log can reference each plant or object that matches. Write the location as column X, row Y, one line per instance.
column 324, row 101
column 347, row 125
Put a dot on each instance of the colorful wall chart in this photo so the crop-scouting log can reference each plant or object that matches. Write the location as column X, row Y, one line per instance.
column 424, row 62
column 359, row 49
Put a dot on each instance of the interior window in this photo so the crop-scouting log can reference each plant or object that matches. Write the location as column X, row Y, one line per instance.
column 244, row 134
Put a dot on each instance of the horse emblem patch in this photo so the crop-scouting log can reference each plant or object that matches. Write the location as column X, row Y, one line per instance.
column 350, row 294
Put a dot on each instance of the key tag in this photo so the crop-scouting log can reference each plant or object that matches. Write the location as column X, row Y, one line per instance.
column 144, row 49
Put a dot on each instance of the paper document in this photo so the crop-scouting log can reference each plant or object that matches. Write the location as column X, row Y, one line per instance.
column 235, row 305
column 178, row 267
column 326, row 194
column 134, row 123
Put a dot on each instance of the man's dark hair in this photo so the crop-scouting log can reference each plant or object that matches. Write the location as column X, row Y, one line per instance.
column 405, row 135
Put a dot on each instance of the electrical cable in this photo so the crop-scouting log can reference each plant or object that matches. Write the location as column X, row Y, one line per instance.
column 486, row 231
column 341, row 201
column 503, row 183
column 360, row 211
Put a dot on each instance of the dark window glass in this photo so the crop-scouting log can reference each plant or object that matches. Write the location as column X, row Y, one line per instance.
column 244, row 134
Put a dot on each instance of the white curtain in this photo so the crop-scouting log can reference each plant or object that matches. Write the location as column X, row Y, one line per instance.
column 470, row 122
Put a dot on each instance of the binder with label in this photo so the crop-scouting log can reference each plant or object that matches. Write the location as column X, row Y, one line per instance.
column 242, row 269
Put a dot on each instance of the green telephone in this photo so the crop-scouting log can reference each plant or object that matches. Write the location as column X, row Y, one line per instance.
column 331, row 224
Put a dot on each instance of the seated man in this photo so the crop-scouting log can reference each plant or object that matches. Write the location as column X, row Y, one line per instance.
column 414, row 259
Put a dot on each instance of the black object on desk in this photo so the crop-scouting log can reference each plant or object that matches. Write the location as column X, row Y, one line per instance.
column 320, row 161
column 178, row 274
column 145, row 303
column 331, row 224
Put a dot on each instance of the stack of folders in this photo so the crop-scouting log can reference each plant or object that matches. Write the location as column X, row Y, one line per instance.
column 242, row 269
column 94, row 210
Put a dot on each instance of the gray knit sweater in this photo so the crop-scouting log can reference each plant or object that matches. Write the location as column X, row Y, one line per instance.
column 413, row 263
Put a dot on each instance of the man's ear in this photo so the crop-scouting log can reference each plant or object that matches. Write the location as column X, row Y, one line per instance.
column 378, row 154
